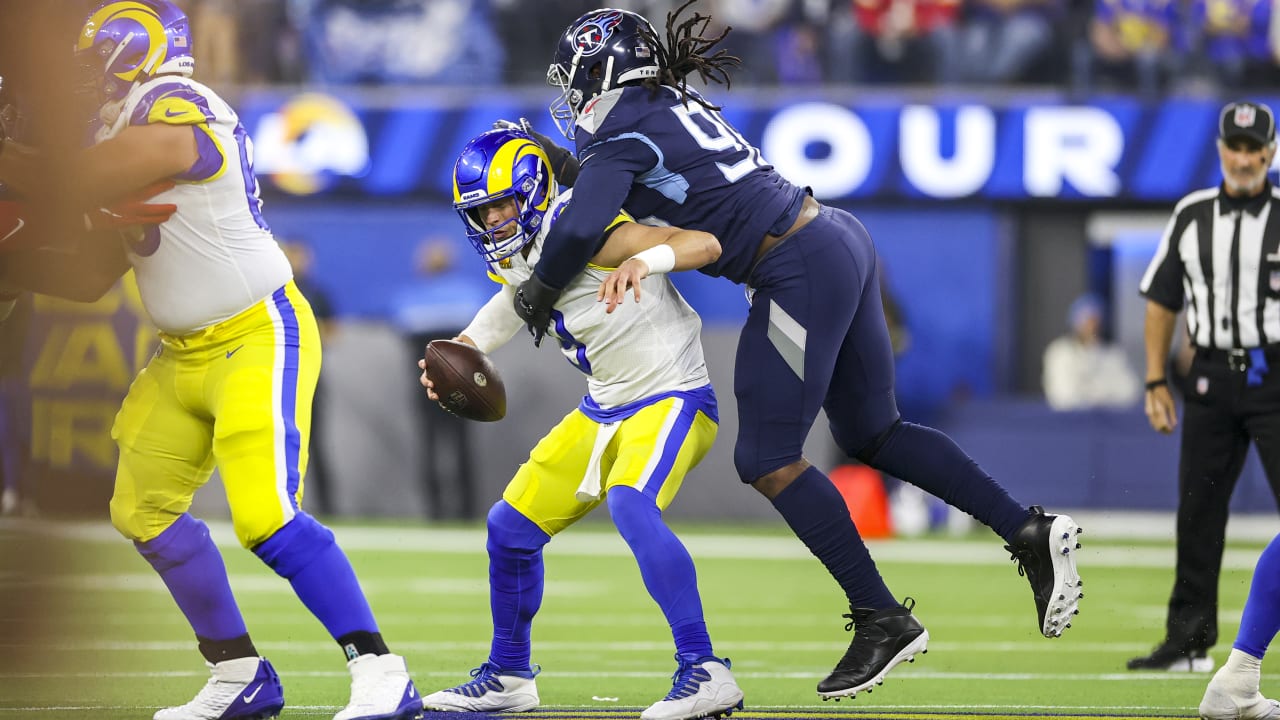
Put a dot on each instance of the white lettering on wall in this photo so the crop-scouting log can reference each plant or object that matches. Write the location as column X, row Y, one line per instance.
column 969, row 167
column 1078, row 145
column 799, row 126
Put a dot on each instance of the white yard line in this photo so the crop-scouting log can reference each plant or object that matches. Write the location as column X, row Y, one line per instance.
column 593, row 542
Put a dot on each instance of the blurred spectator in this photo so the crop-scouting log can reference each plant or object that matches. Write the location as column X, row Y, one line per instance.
column 894, row 41
column 1232, row 38
column 1002, row 41
column 215, row 32
column 1132, row 44
column 438, row 306
column 446, row 42
column 524, row 35
column 318, row 490
column 243, row 41
column 1082, row 370
column 777, row 40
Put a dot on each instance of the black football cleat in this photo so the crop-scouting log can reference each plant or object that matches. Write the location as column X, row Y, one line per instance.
column 1172, row 657
column 1044, row 548
column 881, row 640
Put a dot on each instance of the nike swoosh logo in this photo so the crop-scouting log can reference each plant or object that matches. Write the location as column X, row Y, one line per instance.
column 21, row 224
column 249, row 698
column 171, row 113
column 229, row 354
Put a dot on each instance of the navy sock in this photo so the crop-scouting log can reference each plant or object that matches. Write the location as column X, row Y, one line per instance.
column 816, row 512
column 515, row 584
column 192, row 569
column 304, row 553
column 1261, row 618
column 666, row 567
column 934, row 463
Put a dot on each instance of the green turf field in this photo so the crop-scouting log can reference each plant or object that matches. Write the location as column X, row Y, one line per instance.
column 98, row 637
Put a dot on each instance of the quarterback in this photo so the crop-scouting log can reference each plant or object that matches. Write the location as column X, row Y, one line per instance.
column 649, row 416
column 232, row 382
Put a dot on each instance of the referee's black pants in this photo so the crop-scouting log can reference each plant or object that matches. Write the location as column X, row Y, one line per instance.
column 1222, row 414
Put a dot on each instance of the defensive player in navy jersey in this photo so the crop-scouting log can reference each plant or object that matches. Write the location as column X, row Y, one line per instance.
column 815, row 336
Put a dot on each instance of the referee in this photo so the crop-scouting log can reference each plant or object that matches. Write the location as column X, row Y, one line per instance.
column 1220, row 258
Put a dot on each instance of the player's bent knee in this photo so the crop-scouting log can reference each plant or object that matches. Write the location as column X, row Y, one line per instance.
column 632, row 511
column 140, row 523
column 182, row 540
column 866, row 451
column 509, row 529
column 292, row 548
column 124, row 518
column 751, row 466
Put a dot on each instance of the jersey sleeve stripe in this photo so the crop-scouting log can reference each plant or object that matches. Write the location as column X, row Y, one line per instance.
column 172, row 104
column 211, row 161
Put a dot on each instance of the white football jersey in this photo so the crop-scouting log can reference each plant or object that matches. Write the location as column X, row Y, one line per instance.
column 640, row 350
column 215, row 256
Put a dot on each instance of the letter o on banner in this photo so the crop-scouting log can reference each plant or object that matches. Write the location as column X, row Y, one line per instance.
column 795, row 128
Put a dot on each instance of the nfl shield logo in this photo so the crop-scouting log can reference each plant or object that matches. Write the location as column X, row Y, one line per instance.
column 1274, row 280
column 1245, row 116
column 1202, row 385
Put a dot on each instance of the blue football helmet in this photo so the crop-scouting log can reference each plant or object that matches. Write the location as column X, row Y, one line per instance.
column 600, row 51
column 496, row 165
column 126, row 42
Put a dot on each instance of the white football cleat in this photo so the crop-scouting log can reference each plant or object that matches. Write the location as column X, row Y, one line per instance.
column 381, row 690
column 701, row 687
column 241, row 689
column 492, row 690
column 1234, row 695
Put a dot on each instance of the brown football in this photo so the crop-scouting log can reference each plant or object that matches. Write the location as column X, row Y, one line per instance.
column 466, row 381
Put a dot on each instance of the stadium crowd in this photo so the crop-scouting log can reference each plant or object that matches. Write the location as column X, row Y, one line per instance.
column 1146, row 46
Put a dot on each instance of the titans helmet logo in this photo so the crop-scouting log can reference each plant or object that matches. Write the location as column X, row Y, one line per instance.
column 591, row 36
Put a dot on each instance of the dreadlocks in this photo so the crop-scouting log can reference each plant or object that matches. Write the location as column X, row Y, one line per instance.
column 683, row 54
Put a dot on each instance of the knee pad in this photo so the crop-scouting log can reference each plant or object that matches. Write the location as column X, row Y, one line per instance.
column 751, row 467
column 179, row 542
column 509, row 529
column 294, row 546
column 867, row 454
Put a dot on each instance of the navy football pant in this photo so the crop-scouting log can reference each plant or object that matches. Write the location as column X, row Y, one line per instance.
column 815, row 337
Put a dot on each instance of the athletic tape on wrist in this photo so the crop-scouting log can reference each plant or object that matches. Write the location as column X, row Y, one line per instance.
column 659, row 258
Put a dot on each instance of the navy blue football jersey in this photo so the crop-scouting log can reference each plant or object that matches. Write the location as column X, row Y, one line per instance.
column 680, row 164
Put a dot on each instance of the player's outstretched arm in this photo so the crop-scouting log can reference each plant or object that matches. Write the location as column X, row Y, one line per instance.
column 136, row 158
column 649, row 251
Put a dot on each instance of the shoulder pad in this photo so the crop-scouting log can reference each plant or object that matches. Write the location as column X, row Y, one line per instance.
column 171, row 103
column 597, row 109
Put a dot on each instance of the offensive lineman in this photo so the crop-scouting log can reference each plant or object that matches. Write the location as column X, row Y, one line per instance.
column 233, row 380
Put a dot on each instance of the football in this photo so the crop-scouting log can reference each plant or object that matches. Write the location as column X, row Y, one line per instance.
column 466, row 381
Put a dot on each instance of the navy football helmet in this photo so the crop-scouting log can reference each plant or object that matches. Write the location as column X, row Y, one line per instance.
column 496, row 165
column 600, row 51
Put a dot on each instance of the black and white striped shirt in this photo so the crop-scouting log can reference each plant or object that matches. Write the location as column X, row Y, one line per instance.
column 1220, row 256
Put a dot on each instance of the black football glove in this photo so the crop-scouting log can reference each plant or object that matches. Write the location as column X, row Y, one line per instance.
column 563, row 163
column 533, row 303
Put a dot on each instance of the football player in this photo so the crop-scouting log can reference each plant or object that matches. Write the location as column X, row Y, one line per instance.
column 1233, row 693
column 814, row 338
column 649, row 416
column 232, row 383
